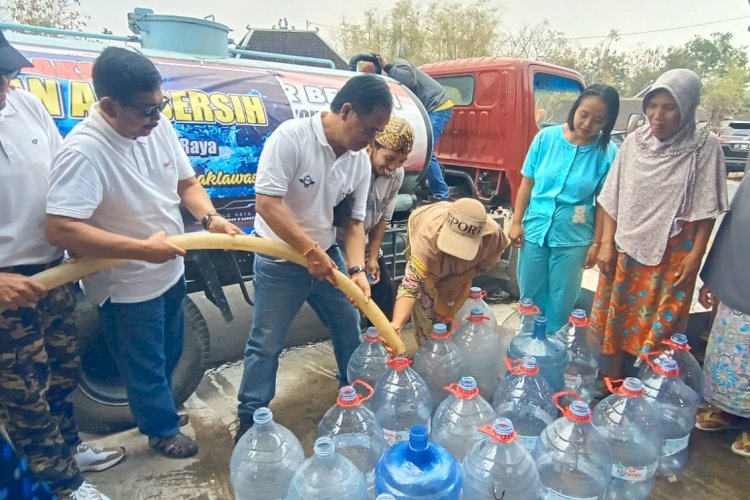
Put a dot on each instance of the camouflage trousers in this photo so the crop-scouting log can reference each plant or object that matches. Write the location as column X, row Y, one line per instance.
column 39, row 370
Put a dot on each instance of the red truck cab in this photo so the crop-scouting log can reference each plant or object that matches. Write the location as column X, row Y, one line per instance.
column 500, row 105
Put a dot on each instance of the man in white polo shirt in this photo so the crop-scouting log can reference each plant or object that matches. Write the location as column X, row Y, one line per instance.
column 39, row 361
column 115, row 192
column 309, row 169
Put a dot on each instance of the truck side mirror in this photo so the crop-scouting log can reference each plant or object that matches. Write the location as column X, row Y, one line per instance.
column 635, row 120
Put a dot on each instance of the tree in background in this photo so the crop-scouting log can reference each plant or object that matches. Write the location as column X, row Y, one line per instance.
column 62, row 14
column 441, row 30
column 449, row 29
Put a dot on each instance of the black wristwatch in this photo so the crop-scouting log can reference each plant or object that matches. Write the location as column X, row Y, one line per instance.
column 356, row 269
column 207, row 218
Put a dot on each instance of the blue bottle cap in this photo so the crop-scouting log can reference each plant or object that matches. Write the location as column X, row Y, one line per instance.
column 580, row 409
column 372, row 332
column 439, row 328
column 476, row 312
column 418, row 438
column 468, row 383
column 526, row 302
column 503, row 426
column 679, row 338
column 578, row 313
column 529, row 362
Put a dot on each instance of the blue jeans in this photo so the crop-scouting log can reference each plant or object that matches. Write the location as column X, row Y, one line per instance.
column 551, row 277
column 280, row 290
column 146, row 339
column 438, row 187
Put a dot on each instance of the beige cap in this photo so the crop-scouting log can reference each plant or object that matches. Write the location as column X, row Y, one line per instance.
column 461, row 234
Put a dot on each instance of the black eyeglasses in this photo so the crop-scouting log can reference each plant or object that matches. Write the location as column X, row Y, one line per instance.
column 153, row 110
column 10, row 74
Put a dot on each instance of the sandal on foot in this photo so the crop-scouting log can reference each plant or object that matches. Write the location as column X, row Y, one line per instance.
column 715, row 421
column 741, row 446
column 177, row 446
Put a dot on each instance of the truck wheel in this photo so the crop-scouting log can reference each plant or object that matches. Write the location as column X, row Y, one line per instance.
column 101, row 402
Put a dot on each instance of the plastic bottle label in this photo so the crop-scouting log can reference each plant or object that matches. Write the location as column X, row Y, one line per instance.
column 673, row 446
column 551, row 494
column 575, row 381
column 393, row 437
column 528, row 442
column 632, row 474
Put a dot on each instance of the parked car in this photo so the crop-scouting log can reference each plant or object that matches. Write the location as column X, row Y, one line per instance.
column 735, row 143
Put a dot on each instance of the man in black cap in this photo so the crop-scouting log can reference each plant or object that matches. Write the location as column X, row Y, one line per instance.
column 39, row 361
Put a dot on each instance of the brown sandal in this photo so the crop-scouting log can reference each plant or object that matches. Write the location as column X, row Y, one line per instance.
column 177, row 446
column 741, row 445
column 716, row 421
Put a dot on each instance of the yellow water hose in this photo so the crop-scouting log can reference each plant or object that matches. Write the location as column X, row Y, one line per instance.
column 70, row 272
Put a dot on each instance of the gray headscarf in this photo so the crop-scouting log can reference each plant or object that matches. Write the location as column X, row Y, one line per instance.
column 655, row 186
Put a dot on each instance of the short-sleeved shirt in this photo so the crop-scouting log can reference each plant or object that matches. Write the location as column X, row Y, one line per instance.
column 28, row 141
column 381, row 201
column 124, row 186
column 299, row 166
column 567, row 179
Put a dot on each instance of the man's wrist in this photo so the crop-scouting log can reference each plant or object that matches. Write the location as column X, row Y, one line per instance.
column 356, row 269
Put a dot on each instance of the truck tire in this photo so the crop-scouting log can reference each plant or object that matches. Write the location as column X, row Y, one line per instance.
column 100, row 402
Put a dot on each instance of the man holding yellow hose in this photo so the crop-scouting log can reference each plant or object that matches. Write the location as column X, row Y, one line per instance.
column 313, row 172
column 115, row 192
column 39, row 360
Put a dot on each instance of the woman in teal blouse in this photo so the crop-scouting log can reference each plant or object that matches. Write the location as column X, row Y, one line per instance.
column 555, row 222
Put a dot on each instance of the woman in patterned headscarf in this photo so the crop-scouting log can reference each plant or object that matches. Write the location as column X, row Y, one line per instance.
column 661, row 198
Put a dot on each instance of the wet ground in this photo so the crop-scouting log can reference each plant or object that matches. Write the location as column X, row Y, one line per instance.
column 306, row 389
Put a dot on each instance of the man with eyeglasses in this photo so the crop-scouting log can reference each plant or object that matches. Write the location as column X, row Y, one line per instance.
column 115, row 192
column 39, row 360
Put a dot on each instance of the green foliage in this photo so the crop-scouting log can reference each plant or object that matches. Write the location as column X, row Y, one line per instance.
column 62, row 14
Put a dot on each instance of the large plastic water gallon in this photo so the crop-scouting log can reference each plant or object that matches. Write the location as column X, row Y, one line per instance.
column 476, row 301
column 477, row 341
column 418, row 469
column 327, row 475
column 550, row 353
column 676, row 404
column 401, row 401
column 499, row 467
column 439, row 362
column 573, row 457
column 525, row 398
column 583, row 350
column 355, row 432
column 368, row 360
column 631, row 425
column 456, row 422
column 265, row 459
column 677, row 347
column 520, row 321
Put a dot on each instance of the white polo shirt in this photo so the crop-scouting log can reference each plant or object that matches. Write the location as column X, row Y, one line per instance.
column 298, row 165
column 28, row 140
column 123, row 186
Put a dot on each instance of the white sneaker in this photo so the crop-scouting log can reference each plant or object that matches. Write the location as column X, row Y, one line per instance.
column 87, row 491
column 91, row 458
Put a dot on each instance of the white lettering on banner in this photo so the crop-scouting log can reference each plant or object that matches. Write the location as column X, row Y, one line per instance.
column 551, row 494
column 202, row 148
column 632, row 474
column 673, row 446
column 528, row 442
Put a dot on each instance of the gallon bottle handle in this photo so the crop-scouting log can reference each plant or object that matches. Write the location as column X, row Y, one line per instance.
column 677, row 347
column 556, row 398
column 489, row 429
column 453, row 323
column 456, row 389
column 370, row 391
column 515, row 366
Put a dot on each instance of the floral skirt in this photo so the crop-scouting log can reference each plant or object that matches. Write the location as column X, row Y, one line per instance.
column 726, row 369
column 640, row 305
